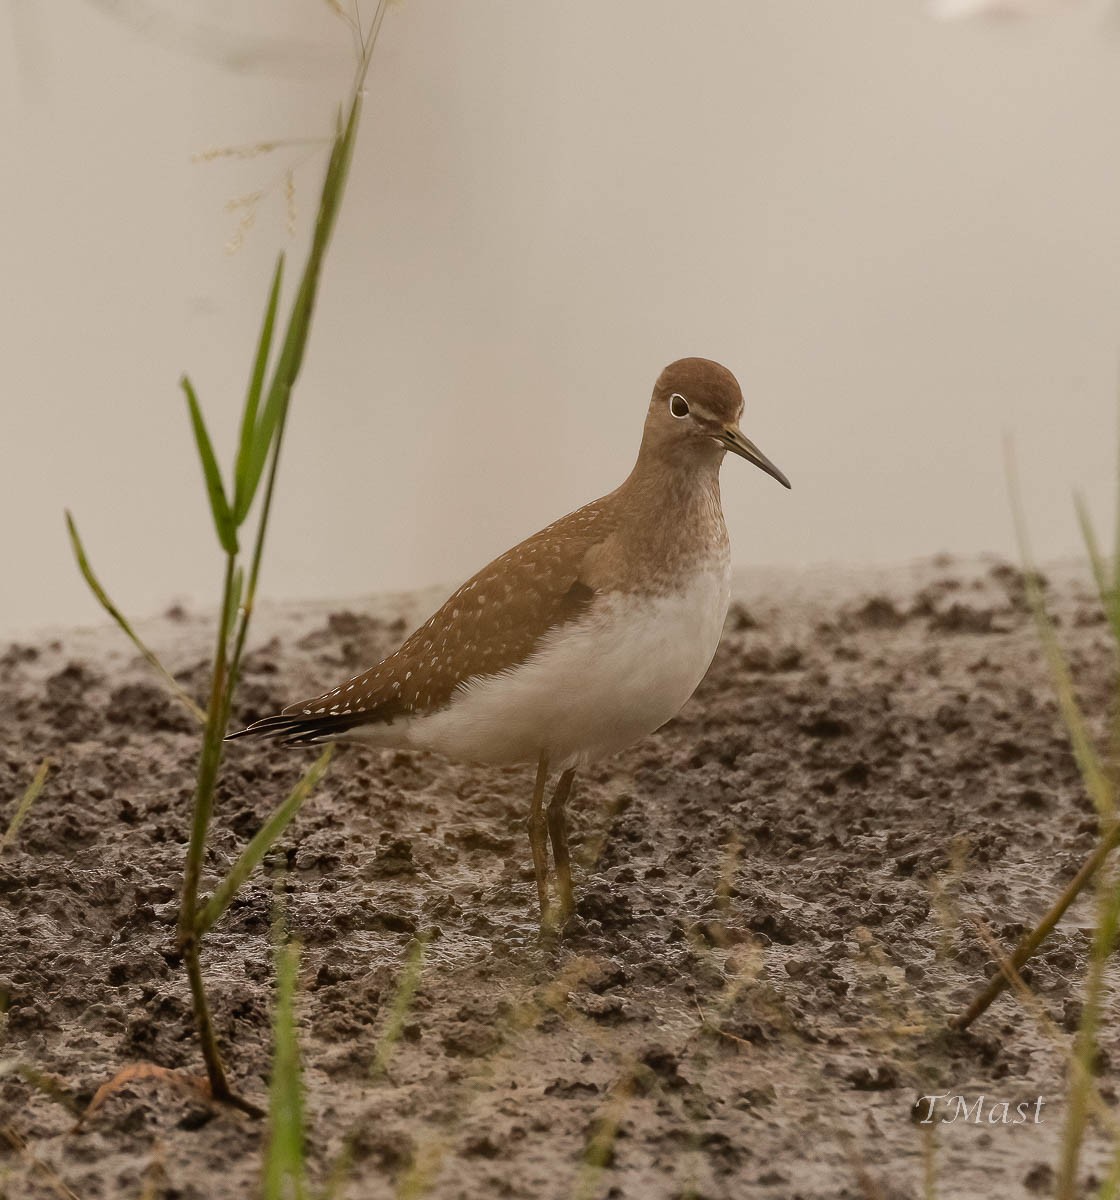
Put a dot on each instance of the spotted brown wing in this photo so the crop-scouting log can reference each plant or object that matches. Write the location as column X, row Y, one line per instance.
column 491, row 624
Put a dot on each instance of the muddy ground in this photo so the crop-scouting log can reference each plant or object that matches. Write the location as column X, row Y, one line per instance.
column 772, row 926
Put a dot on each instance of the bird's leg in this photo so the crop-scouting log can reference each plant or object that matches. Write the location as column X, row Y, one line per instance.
column 558, row 832
column 538, row 841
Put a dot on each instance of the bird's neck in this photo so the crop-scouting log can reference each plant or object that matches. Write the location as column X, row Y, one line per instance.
column 674, row 512
column 678, row 480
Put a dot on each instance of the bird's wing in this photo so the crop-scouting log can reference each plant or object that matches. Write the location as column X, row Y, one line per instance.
column 493, row 623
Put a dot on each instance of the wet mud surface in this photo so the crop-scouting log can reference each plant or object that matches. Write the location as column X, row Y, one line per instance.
column 776, row 904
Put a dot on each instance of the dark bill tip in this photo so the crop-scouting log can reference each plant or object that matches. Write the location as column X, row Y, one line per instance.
column 734, row 440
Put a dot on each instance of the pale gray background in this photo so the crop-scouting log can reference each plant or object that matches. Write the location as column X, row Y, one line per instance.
column 903, row 235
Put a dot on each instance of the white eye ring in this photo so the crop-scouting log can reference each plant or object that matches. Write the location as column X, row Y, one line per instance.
column 678, row 406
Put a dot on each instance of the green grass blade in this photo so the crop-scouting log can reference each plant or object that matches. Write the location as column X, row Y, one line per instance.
column 284, row 1176
column 1116, row 531
column 1096, row 780
column 402, row 1002
column 259, row 846
column 1110, row 600
column 243, row 495
column 107, row 604
column 418, row 1179
column 24, row 806
column 1110, row 1188
column 230, row 609
column 1082, row 1063
column 219, row 505
column 1092, row 546
column 299, row 321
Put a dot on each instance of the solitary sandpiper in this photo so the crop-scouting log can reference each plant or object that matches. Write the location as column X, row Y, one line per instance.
column 579, row 640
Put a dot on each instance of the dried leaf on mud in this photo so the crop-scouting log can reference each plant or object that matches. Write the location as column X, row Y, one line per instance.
column 195, row 1085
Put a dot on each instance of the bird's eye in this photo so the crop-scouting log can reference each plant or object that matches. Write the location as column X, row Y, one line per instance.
column 678, row 405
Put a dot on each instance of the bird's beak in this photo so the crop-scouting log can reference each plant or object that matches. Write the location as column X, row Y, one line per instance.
column 732, row 437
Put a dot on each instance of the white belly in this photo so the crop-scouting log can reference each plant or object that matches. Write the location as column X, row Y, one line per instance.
column 594, row 686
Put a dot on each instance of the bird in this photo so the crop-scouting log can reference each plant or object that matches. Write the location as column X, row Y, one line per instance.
column 578, row 641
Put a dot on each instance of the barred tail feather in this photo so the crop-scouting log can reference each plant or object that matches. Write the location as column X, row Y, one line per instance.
column 298, row 728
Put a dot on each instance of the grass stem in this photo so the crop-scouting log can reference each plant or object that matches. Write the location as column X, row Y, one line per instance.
column 24, row 806
column 260, row 438
column 1031, row 941
column 215, row 1071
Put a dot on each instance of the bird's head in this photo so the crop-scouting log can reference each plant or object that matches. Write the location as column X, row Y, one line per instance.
column 694, row 414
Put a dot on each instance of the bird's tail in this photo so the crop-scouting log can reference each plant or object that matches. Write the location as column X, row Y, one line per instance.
column 302, row 729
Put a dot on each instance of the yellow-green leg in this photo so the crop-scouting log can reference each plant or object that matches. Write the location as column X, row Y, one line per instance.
column 538, row 841
column 558, row 832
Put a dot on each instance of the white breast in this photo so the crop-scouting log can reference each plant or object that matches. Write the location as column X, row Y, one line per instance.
column 594, row 686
